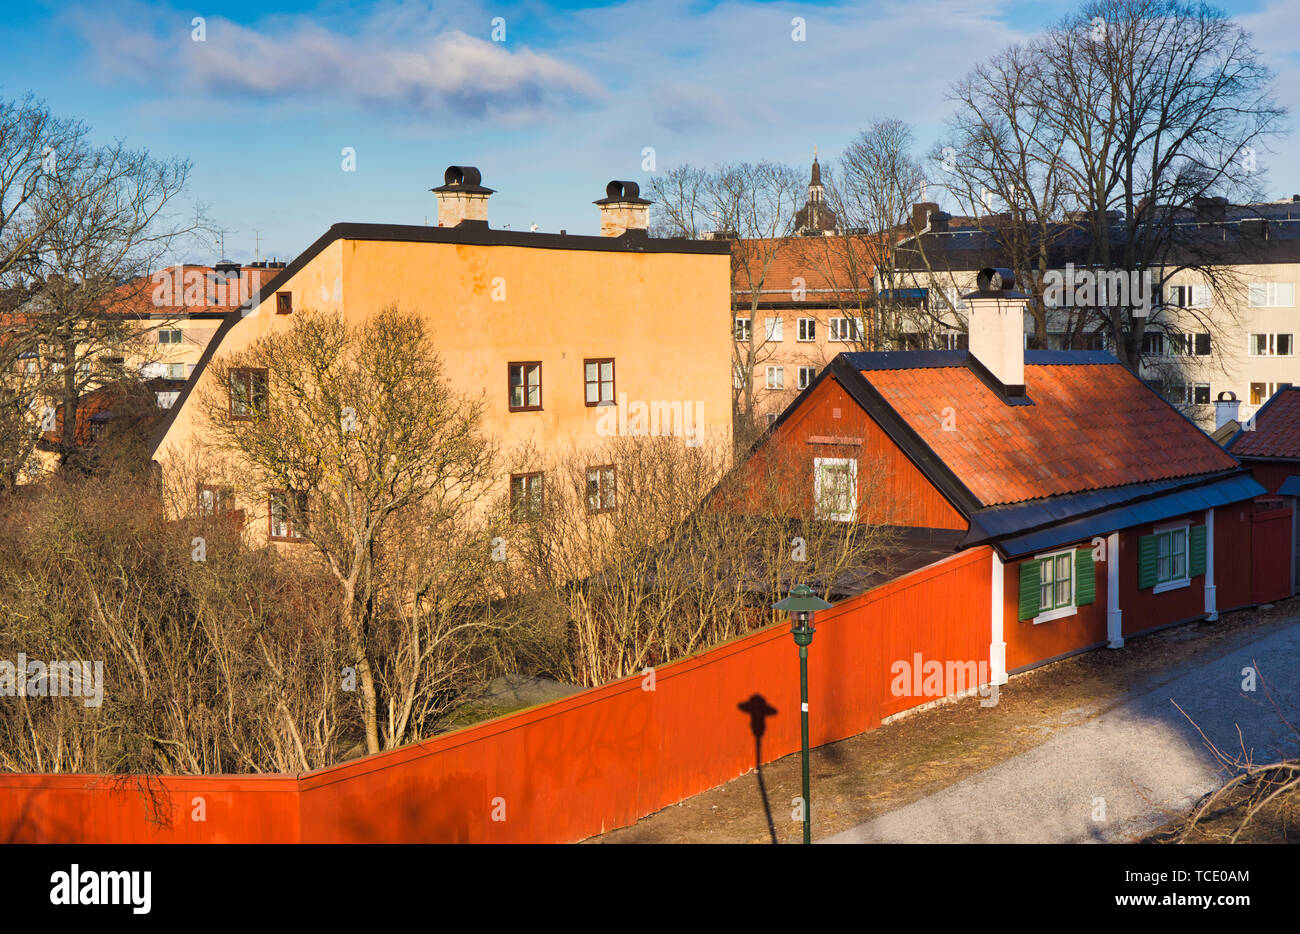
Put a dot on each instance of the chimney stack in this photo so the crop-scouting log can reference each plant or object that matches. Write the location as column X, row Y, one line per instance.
column 1225, row 409
column 921, row 212
column 996, row 326
column 623, row 210
column 462, row 197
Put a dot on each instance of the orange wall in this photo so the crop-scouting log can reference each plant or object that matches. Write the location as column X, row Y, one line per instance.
column 573, row 768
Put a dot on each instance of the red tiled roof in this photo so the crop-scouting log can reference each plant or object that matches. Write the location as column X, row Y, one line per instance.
column 168, row 292
column 1091, row 426
column 1277, row 429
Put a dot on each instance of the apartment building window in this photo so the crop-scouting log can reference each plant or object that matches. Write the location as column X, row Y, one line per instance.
column 771, row 419
column 1271, row 294
column 1270, row 345
column 1153, row 343
column 742, row 330
column 807, row 329
column 738, row 376
column 248, row 392
column 774, row 328
column 287, row 513
column 1190, row 393
column 525, row 385
column 846, row 329
column 776, row 377
column 835, row 488
column 175, row 370
column 1262, row 392
column 1187, row 296
column 599, row 376
column 214, row 500
column 1189, row 345
column 170, row 336
column 953, row 340
column 284, row 303
column 601, row 488
column 166, row 400
column 806, row 375
column 525, row 496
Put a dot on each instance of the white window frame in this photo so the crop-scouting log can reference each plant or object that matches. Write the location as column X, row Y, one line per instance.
column 1175, row 583
column 1059, row 612
column 742, row 330
column 179, row 336
column 1270, row 344
column 848, row 515
column 1270, row 294
column 806, row 376
column 737, row 376
column 777, row 371
column 774, row 328
column 806, row 330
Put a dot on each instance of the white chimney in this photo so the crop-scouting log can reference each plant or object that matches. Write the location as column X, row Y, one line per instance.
column 462, row 197
column 997, row 329
column 623, row 209
column 1225, row 409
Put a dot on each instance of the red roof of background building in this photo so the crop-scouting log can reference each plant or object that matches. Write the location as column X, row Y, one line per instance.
column 838, row 264
column 1091, row 426
column 1277, row 429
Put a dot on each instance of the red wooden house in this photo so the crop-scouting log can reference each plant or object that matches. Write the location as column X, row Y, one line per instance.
column 1108, row 511
column 1269, row 445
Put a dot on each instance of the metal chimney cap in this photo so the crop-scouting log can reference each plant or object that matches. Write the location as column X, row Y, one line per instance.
column 619, row 192
column 465, row 178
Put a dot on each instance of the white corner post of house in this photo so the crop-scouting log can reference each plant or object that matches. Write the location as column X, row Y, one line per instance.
column 1211, row 598
column 1114, row 615
column 997, row 647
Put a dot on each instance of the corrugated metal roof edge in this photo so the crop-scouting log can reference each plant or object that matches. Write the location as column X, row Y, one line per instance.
column 1217, row 490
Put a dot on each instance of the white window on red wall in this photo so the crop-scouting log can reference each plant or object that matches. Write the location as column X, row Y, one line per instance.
column 835, row 488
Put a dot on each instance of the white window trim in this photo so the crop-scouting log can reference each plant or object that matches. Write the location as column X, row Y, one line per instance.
column 775, row 370
column 818, row 463
column 1061, row 612
column 1186, row 580
column 798, row 328
column 774, row 329
column 746, row 329
column 812, row 375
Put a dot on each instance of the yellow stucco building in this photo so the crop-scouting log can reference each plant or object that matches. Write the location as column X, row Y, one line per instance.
column 570, row 338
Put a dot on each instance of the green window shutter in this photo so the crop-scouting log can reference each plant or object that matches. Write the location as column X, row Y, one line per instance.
column 1146, row 562
column 1085, row 577
column 1029, row 596
column 1195, row 550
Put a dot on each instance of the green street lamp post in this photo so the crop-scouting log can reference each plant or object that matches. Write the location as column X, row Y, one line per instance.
column 801, row 604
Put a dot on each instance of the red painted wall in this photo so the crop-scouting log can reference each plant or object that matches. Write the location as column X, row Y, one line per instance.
column 1143, row 610
column 566, row 770
column 1030, row 644
column 1272, row 473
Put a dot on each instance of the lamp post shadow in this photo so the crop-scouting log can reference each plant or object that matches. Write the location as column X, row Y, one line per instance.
column 759, row 710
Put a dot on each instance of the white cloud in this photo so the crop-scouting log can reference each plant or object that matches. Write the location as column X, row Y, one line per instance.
column 425, row 73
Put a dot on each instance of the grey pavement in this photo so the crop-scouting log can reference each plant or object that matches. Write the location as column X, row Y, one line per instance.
column 1135, row 766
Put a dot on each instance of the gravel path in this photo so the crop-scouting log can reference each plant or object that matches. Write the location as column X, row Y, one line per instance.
column 1118, row 775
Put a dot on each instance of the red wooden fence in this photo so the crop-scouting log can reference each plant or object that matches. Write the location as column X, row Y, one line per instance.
column 569, row 769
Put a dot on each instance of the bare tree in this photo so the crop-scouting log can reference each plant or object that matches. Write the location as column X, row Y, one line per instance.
column 1105, row 138
column 351, row 429
column 109, row 215
column 753, row 205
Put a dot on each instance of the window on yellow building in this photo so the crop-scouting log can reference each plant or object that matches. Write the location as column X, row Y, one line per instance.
column 525, row 386
column 601, row 484
column 248, row 392
column 599, row 376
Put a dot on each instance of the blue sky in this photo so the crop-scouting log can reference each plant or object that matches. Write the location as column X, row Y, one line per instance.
column 266, row 104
